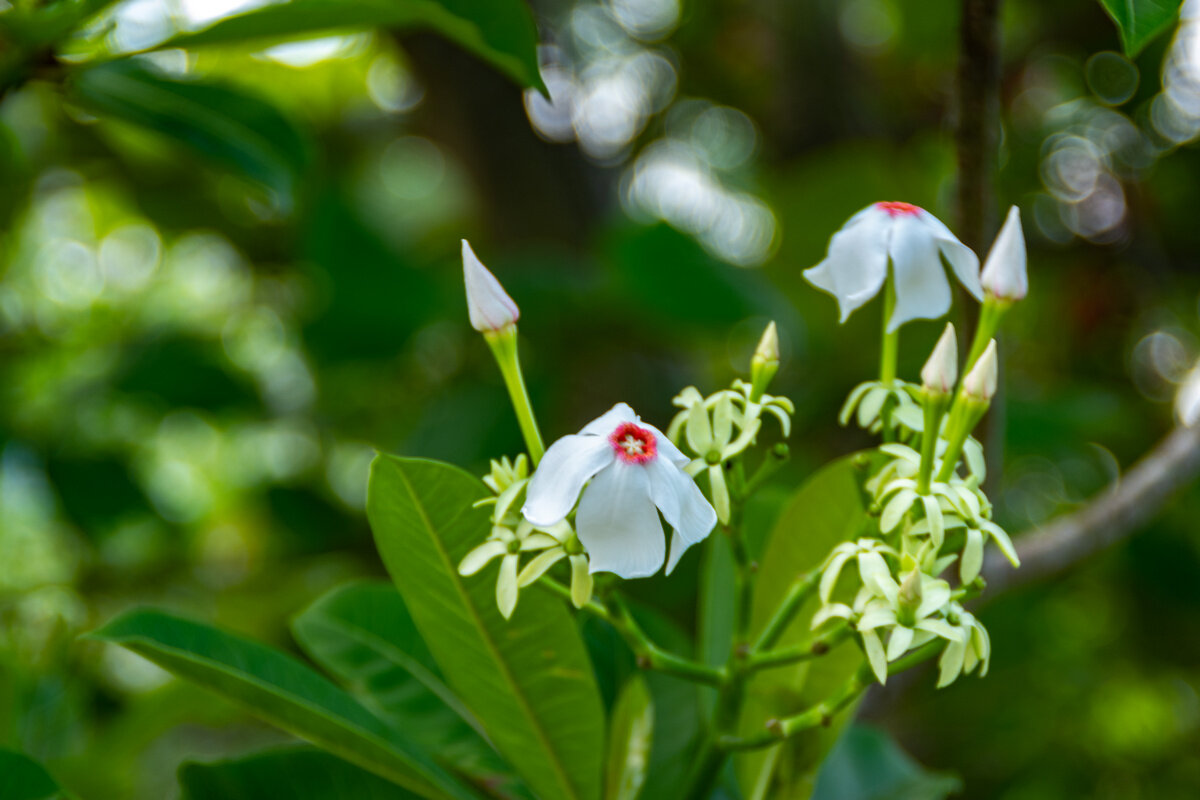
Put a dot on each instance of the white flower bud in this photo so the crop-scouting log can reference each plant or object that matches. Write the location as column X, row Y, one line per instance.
column 980, row 383
column 490, row 307
column 767, row 351
column 941, row 370
column 1004, row 271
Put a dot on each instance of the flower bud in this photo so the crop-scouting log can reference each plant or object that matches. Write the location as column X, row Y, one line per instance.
column 1004, row 271
column 941, row 370
column 764, row 363
column 1187, row 399
column 980, row 383
column 490, row 307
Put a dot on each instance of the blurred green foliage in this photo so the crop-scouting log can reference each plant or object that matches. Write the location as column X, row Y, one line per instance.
column 210, row 318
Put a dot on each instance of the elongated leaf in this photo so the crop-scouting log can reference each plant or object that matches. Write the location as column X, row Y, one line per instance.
column 527, row 679
column 827, row 508
column 1140, row 21
column 363, row 634
column 295, row 773
column 630, row 735
column 22, row 778
column 716, row 609
column 220, row 123
column 866, row 764
column 282, row 691
column 501, row 32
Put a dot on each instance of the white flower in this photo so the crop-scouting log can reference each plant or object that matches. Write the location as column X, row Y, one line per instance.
column 1004, row 270
column 856, row 265
column 972, row 647
column 490, row 307
column 635, row 472
column 941, row 370
column 980, row 382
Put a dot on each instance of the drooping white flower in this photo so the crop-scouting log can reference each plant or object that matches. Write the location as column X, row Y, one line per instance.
column 1004, row 270
column 980, row 382
column 941, row 370
column 634, row 472
column 856, row 264
column 490, row 307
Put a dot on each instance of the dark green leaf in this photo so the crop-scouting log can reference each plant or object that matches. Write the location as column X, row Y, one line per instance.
column 297, row 774
column 282, row 691
column 866, row 764
column 1139, row 21
column 501, row 32
column 22, row 778
column 828, row 508
column 221, row 123
column 363, row 634
column 527, row 679
column 630, row 734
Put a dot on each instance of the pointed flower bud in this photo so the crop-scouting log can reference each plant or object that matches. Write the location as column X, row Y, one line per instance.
column 490, row 306
column 980, row 383
column 1004, row 271
column 765, row 363
column 941, row 370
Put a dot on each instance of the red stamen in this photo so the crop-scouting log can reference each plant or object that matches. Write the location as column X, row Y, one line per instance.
column 895, row 208
column 632, row 444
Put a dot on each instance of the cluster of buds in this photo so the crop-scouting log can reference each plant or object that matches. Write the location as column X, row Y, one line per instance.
column 925, row 486
column 719, row 428
column 512, row 536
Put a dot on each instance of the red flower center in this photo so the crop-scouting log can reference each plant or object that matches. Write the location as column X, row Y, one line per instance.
column 632, row 444
column 895, row 209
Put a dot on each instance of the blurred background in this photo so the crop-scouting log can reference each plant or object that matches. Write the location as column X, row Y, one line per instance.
column 197, row 362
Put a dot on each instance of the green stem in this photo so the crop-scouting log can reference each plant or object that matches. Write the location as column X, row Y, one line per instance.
column 776, row 458
column 990, row 315
column 504, row 347
column 823, row 712
column 815, row 647
column 890, row 346
column 935, row 407
column 800, row 590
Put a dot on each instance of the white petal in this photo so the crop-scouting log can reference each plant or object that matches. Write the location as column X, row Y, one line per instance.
column 699, row 429
column 951, row 663
column 899, row 642
column 609, row 421
column 506, row 586
column 682, row 503
column 1004, row 271
column 720, row 492
column 962, row 259
column 830, row 576
column 488, row 304
column 618, row 524
column 478, row 558
column 934, row 595
column 875, row 654
column 581, row 581
column 678, row 548
column 567, row 466
column 972, row 556
column 722, row 427
column 666, row 448
column 922, row 291
column 855, row 265
column 877, row 617
column 538, row 566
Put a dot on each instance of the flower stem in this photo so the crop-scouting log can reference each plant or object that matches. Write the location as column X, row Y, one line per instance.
column 504, row 347
column 800, row 590
column 890, row 346
column 814, row 648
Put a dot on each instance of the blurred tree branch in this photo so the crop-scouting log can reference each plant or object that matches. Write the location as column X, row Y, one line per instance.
column 1108, row 518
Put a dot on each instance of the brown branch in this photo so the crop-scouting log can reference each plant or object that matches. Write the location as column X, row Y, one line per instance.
column 1111, row 516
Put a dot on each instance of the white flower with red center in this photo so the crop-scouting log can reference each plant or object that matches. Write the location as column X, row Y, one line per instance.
column 914, row 241
column 631, row 472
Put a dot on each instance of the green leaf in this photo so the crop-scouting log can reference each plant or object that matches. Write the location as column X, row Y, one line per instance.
column 630, row 735
column 501, row 32
column 363, row 634
column 528, row 679
column 284, row 692
column 295, row 773
column 826, row 509
column 22, row 778
column 866, row 764
column 223, row 124
column 716, row 608
column 1140, row 21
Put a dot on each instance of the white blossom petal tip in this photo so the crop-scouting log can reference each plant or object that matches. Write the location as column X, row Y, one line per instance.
column 980, row 382
column 490, row 307
column 914, row 242
column 941, row 370
column 634, row 473
column 1004, row 272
